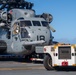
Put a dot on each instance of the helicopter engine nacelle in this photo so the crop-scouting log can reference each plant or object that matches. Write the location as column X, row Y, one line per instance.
column 47, row 17
column 3, row 15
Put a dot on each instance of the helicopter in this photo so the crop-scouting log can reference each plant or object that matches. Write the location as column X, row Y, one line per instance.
column 21, row 30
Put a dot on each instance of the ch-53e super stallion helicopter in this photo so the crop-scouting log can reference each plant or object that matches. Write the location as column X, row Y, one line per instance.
column 21, row 29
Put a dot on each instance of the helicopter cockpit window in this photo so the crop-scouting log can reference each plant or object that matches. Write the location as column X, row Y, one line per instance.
column 24, row 33
column 44, row 23
column 25, row 23
column 36, row 23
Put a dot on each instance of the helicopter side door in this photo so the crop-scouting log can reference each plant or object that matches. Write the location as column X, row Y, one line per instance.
column 16, row 45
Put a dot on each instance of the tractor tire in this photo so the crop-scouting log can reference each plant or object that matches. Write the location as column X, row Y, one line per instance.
column 47, row 62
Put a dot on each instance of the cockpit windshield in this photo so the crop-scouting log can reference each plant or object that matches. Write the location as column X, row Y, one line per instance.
column 25, row 23
column 44, row 23
column 36, row 23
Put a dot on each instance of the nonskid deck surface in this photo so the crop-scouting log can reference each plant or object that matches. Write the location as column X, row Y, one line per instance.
column 14, row 65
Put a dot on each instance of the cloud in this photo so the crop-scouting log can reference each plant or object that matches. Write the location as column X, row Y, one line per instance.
column 65, row 40
column 62, row 40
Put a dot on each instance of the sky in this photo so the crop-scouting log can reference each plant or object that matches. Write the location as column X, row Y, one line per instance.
column 64, row 17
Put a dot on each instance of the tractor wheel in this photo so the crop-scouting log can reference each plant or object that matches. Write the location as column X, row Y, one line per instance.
column 48, row 62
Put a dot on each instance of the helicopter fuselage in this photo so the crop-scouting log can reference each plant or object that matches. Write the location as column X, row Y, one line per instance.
column 23, row 33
